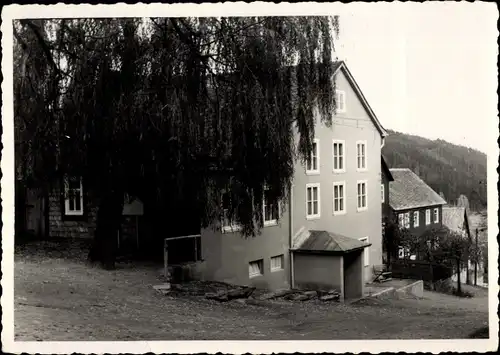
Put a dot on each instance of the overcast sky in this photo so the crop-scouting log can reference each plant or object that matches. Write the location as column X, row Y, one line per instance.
column 426, row 70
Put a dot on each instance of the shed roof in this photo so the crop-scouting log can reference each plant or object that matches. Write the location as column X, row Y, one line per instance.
column 324, row 241
column 409, row 191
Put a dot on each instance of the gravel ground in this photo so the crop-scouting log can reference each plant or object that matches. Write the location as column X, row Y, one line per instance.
column 60, row 298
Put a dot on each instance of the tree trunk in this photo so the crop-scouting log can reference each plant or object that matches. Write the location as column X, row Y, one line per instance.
column 108, row 222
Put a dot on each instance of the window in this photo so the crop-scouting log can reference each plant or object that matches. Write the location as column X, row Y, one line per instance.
column 362, row 203
column 361, row 155
column 404, row 220
column 255, row 268
column 407, row 220
column 228, row 226
column 436, row 215
column 339, row 198
column 277, row 263
column 427, row 217
column 416, row 219
column 404, row 253
column 73, row 196
column 340, row 99
column 382, row 191
column 338, row 147
column 366, row 252
column 312, row 165
column 270, row 211
column 312, row 201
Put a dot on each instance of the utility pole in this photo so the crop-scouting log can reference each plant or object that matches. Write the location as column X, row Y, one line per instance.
column 475, row 259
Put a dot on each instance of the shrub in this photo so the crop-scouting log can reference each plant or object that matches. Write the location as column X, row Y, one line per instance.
column 462, row 293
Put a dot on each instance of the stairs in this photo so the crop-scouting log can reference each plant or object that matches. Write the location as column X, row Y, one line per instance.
column 381, row 273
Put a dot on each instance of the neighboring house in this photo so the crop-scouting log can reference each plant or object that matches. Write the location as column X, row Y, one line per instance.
column 387, row 178
column 417, row 206
column 478, row 226
column 457, row 220
column 332, row 225
column 68, row 211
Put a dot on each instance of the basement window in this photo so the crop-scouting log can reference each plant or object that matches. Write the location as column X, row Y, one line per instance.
column 255, row 268
column 277, row 263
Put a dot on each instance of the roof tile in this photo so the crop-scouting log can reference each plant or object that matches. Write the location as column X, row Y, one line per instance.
column 323, row 241
column 409, row 191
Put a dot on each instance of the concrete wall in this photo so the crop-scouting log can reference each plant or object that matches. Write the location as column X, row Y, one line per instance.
column 322, row 272
column 351, row 126
column 226, row 255
column 353, row 281
column 415, row 289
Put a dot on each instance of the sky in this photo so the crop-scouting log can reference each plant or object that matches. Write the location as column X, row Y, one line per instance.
column 426, row 70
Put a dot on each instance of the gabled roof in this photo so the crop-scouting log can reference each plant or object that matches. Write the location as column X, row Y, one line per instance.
column 342, row 66
column 386, row 170
column 328, row 242
column 409, row 191
column 455, row 218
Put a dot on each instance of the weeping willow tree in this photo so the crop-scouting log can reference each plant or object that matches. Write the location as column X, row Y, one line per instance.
column 171, row 109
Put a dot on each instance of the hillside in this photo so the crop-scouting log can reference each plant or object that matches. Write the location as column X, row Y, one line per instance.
column 448, row 168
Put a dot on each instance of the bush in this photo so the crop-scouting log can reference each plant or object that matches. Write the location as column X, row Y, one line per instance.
column 443, row 286
column 462, row 293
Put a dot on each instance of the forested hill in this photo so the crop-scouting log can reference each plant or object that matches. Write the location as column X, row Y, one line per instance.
column 446, row 167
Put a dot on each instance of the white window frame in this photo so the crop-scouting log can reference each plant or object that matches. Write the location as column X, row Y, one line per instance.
column 343, row 198
column 365, row 207
column 416, row 222
column 382, row 190
column 318, row 215
column 401, row 220
column 358, row 144
column 260, row 266
column 341, row 101
column 67, row 211
column 436, row 215
column 275, row 268
column 366, row 251
column 427, row 217
column 271, row 222
column 315, row 154
column 339, row 157
column 407, row 220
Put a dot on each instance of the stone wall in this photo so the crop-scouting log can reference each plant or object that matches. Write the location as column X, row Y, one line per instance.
column 61, row 226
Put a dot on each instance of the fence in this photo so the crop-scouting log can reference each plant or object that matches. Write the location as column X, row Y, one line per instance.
column 420, row 270
column 180, row 250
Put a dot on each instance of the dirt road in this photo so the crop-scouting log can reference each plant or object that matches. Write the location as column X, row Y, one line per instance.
column 57, row 299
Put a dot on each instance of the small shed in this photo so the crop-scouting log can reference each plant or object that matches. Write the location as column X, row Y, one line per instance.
column 324, row 260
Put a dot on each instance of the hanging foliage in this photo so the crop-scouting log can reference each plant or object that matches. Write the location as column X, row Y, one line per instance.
column 172, row 109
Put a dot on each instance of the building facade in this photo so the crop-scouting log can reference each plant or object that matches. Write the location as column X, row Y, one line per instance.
column 417, row 206
column 338, row 191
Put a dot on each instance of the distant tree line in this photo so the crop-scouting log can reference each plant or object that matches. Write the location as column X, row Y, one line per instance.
column 449, row 169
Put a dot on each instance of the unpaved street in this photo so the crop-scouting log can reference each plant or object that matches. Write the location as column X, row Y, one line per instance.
column 59, row 299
